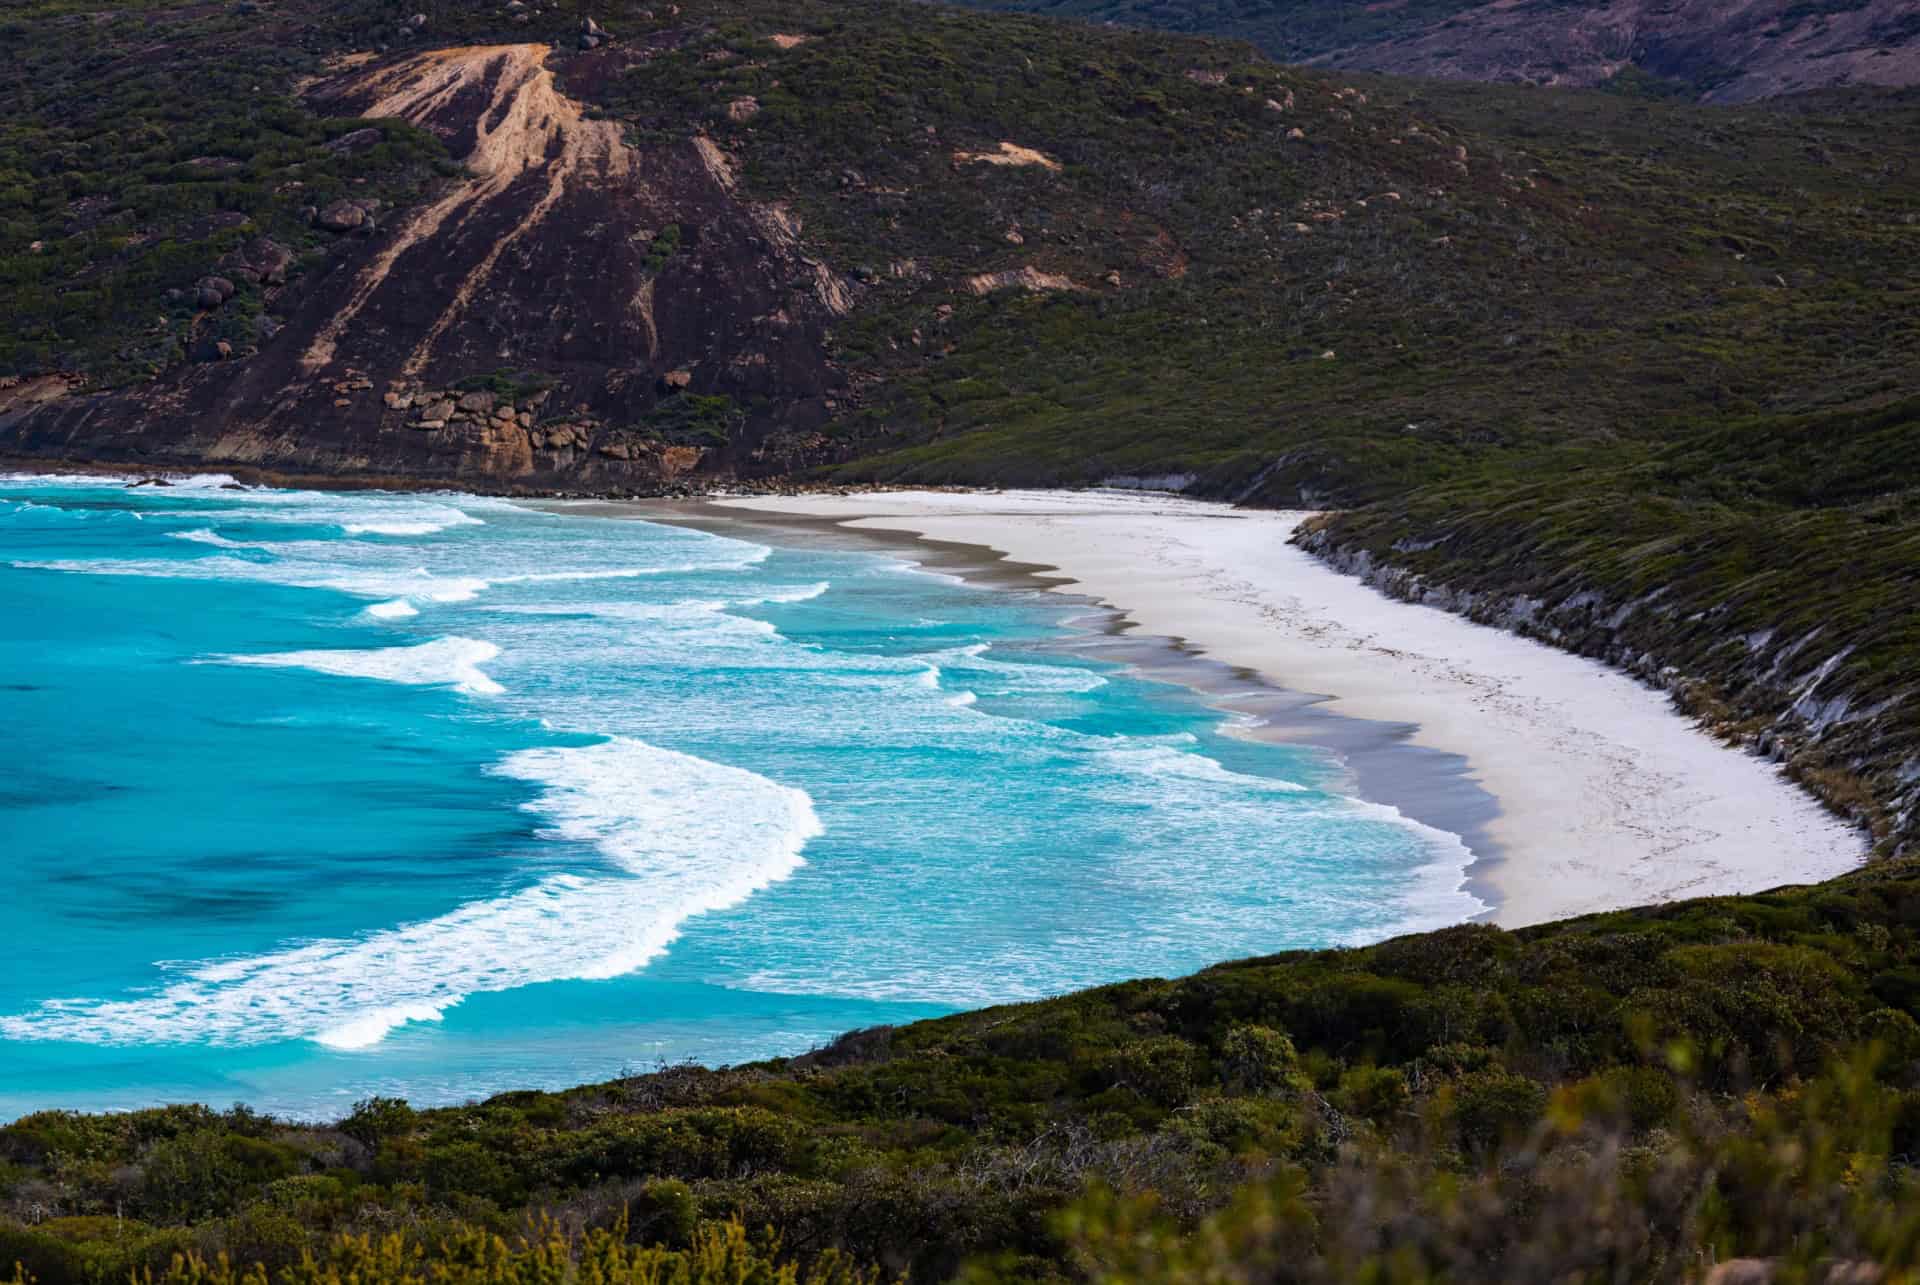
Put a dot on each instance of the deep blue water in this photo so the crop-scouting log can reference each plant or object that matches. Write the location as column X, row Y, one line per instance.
column 311, row 796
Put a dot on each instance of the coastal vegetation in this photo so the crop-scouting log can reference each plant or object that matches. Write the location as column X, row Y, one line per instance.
column 1624, row 1097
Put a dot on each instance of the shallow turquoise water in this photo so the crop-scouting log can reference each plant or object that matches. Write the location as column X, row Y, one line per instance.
column 311, row 796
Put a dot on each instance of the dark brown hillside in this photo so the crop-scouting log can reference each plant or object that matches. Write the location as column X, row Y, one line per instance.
column 1718, row 51
column 1721, row 51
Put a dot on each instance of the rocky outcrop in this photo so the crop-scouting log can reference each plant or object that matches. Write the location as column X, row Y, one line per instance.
column 532, row 264
column 342, row 216
column 1008, row 154
column 1027, row 278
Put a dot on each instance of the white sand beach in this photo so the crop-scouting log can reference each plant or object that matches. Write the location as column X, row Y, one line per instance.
column 1608, row 797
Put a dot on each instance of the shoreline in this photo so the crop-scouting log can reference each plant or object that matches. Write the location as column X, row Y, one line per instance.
column 1595, row 793
column 1429, row 786
column 1607, row 796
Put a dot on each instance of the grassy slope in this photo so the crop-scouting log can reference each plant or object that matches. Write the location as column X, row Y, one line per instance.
column 1613, row 1098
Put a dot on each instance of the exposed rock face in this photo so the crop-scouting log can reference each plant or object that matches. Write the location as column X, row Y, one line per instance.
column 1008, row 154
column 533, row 266
column 1027, row 278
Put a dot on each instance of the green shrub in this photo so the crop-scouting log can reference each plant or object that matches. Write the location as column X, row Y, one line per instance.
column 1259, row 1059
column 374, row 1120
column 1160, row 1069
column 197, row 1175
column 96, row 1250
column 1495, row 1106
column 1377, row 1093
column 666, row 1212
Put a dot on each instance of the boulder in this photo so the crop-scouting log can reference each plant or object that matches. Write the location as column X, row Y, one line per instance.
column 476, row 402
column 675, row 381
column 260, row 261
column 358, row 140
column 272, row 259
column 341, row 216
column 441, row 411
column 211, row 292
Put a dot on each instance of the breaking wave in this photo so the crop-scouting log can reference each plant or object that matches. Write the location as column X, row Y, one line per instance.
column 444, row 662
column 678, row 836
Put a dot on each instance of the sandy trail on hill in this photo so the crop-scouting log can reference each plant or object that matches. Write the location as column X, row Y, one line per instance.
column 1608, row 796
column 522, row 122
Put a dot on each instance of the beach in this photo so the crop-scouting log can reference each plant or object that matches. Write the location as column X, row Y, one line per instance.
column 1607, row 796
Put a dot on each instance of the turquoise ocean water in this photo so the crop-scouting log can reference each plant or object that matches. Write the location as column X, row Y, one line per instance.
column 307, row 796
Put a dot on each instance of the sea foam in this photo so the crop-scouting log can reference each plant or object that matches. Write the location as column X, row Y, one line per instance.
column 444, row 662
column 675, row 835
column 1016, row 676
column 418, row 583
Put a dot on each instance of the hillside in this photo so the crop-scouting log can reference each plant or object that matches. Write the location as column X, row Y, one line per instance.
column 1623, row 1098
column 1633, row 375
column 777, row 234
column 1719, row 51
